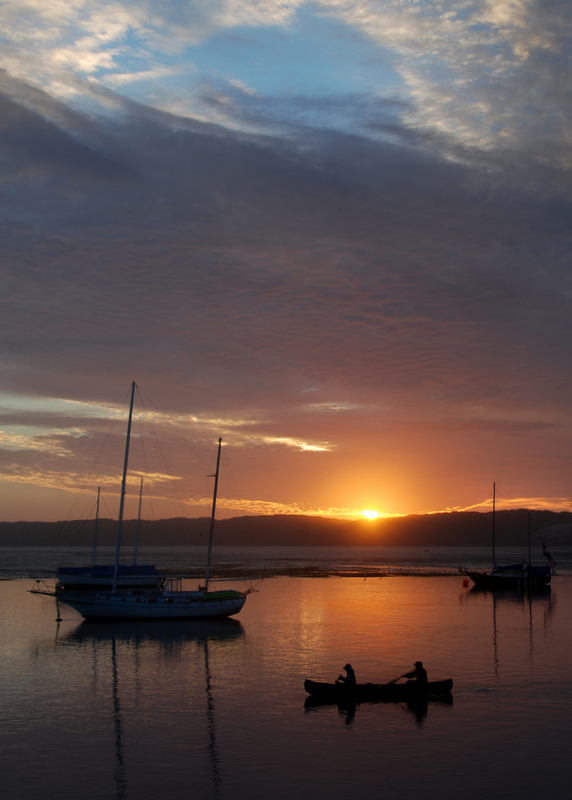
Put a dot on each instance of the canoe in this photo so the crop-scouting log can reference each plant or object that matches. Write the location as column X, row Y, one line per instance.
column 376, row 692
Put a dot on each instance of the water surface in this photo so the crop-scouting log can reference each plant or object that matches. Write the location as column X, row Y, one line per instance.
column 216, row 709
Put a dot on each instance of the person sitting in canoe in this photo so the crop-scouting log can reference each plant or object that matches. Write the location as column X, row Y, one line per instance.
column 350, row 678
column 418, row 675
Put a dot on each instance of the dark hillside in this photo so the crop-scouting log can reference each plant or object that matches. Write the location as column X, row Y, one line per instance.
column 450, row 529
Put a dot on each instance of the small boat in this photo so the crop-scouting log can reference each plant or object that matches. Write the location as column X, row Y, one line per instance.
column 511, row 576
column 377, row 692
column 167, row 600
column 521, row 575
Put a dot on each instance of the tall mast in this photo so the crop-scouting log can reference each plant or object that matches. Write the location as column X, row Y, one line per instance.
column 138, row 524
column 95, row 529
column 123, row 484
column 494, row 503
column 211, row 531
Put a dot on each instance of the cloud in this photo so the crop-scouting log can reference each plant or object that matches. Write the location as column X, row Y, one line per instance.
column 51, row 42
column 483, row 74
column 151, row 231
column 489, row 76
column 400, row 261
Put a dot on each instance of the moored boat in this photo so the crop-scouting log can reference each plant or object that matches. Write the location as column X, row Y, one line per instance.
column 164, row 599
column 154, row 604
column 520, row 575
column 511, row 576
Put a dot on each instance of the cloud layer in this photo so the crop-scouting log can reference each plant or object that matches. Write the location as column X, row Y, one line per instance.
column 367, row 293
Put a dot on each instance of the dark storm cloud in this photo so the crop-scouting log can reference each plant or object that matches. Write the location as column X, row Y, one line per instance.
column 263, row 266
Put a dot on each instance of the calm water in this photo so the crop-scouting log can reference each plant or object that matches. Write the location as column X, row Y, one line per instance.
column 38, row 562
column 216, row 710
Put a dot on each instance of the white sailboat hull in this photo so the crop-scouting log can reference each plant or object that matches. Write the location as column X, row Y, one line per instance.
column 164, row 605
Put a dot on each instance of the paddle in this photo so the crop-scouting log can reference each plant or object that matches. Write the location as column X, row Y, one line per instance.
column 395, row 680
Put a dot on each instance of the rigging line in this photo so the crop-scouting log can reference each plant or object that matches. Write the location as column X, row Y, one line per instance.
column 152, row 420
column 148, row 434
column 113, row 424
column 89, row 477
column 159, row 451
column 231, row 486
column 51, row 557
column 507, row 495
column 176, row 430
column 109, row 511
column 180, row 501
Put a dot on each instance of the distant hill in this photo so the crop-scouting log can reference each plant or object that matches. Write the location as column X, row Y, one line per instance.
column 448, row 529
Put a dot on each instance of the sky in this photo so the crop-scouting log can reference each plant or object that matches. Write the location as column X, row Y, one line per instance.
column 335, row 234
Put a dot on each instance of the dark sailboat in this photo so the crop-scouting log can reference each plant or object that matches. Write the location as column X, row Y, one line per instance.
column 520, row 575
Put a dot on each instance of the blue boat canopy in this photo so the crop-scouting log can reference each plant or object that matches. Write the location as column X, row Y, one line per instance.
column 106, row 570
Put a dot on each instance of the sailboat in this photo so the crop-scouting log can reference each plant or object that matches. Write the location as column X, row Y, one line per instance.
column 168, row 600
column 512, row 575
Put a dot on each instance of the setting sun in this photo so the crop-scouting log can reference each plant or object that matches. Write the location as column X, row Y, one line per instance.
column 369, row 514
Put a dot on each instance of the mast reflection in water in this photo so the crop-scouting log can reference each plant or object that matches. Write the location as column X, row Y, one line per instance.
column 119, row 775
column 173, row 639
column 523, row 598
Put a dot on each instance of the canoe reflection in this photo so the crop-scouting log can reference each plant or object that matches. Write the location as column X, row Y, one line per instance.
column 418, row 707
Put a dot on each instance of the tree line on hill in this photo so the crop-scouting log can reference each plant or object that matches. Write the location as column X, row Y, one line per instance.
column 452, row 529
